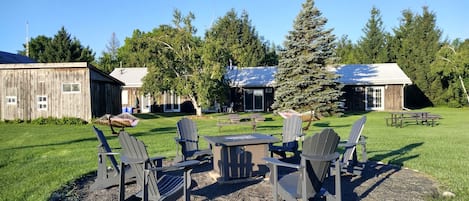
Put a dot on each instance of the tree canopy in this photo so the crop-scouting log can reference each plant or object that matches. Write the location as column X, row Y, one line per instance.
column 372, row 47
column 234, row 39
column 177, row 61
column 61, row 48
column 302, row 81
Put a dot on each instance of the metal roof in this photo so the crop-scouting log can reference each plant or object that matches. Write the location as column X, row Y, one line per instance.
column 371, row 74
column 132, row 77
column 251, row 76
column 10, row 58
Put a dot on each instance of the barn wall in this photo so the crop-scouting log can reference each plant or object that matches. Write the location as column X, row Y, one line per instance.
column 393, row 97
column 28, row 84
column 105, row 95
column 354, row 97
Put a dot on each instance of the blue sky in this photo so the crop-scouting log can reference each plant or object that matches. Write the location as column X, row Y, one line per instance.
column 93, row 22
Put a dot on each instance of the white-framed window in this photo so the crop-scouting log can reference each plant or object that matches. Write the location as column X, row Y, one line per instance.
column 71, row 87
column 11, row 100
column 42, row 102
column 374, row 97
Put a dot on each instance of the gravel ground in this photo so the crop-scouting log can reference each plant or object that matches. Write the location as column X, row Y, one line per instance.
column 378, row 182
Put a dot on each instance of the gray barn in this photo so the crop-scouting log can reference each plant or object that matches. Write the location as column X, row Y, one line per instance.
column 75, row 89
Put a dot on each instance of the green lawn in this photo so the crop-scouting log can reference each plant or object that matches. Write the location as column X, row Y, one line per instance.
column 36, row 160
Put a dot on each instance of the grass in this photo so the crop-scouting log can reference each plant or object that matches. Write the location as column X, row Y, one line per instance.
column 36, row 160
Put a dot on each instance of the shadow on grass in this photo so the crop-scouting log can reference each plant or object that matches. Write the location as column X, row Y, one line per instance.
column 397, row 157
column 327, row 125
column 55, row 144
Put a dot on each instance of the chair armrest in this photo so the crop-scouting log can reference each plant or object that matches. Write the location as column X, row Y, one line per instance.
column 187, row 164
column 180, row 140
column 329, row 157
column 347, row 144
column 127, row 160
column 277, row 162
column 157, row 158
column 178, row 166
column 108, row 153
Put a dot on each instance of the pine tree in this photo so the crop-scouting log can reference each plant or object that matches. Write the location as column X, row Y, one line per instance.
column 372, row 47
column 346, row 51
column 416, row 46
column 235, row 39
column 302, row 81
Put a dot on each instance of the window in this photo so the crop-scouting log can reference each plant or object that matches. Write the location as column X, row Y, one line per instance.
column 42, row 102
column 171, row 102
column 374, row 98
column 11, row 100
column 70, row 87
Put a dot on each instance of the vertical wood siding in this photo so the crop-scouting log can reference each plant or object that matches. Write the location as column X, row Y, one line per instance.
column 28, row 84
column 393, row 97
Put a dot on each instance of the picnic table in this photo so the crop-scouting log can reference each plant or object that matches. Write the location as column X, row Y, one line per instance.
column 398, row 119
column 236, row 119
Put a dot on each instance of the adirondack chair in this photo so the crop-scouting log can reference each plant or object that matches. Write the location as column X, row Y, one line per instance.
column 154, row 187
column 306, row 183
column 349, row 160
column 188, row 140
column 291, row 132
column 108, row 167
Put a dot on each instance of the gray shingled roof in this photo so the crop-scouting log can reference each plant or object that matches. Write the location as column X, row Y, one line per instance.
column 10, row 58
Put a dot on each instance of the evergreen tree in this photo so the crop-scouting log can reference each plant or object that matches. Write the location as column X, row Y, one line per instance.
column 346, row 51
column 418, row 39
column 60, row 48
column 302, row 81
column 372, row 47
column 235, row 39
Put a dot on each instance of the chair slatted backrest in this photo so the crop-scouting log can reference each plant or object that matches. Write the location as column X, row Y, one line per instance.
column 104, row 147
column 187, row 130
column 321, row 144
column 354, row 136
column 291, row 128
column 134, row 149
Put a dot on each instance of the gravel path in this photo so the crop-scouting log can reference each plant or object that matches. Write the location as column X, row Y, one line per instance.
column 378, row 182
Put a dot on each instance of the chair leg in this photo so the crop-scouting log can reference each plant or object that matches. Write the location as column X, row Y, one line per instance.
column 122, row 183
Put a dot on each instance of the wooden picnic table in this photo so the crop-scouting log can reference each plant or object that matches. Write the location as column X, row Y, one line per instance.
column 397, row 119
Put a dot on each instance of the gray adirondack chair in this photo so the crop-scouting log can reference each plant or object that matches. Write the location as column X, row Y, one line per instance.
column 188, row 140
column 154, row 187
column 108, row 167
column 292, row 131
column 306, row 183
column 349, row 160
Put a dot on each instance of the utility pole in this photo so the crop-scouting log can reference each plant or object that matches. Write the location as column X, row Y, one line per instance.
column 27, row 38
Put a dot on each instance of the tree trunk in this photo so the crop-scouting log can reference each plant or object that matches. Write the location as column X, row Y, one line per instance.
column 198, row 108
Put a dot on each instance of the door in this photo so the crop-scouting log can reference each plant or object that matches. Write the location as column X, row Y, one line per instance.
column 374, row 98
column 253, row 100
column 146, row 103
column 171, row 102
